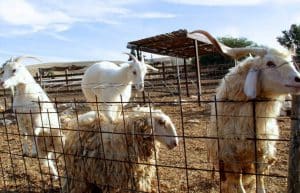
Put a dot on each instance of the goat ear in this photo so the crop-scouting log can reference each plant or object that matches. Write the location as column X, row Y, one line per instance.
column 132, row 57
column 151, row 68
column 251, row 87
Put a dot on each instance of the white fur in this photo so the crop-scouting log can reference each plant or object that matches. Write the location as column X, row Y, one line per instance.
column 233, row 122
column 108, row 82
column 38, row 120
column 114, row 150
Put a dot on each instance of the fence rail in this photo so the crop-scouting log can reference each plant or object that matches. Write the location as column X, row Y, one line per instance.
column 70, row 81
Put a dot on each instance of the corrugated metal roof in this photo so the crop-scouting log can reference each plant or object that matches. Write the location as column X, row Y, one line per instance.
column 178, row 43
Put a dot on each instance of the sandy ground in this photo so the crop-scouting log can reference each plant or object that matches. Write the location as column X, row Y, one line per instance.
column 184, row 169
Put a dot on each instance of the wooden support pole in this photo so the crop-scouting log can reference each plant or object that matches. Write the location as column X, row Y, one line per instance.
column 294, row 155
column 66, row 76
column 198, row 72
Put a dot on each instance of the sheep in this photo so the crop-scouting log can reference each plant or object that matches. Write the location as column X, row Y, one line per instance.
column 106, row 83
column 40, row 121
column 119, row 153
column 248, row 101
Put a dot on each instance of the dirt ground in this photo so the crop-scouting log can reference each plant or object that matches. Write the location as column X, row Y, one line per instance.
column 184, row 169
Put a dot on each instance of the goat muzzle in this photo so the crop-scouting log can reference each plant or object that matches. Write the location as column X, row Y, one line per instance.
column 173, row 144
column 297, row 79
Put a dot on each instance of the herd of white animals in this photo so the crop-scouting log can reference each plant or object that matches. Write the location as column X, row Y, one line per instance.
column 264, row 79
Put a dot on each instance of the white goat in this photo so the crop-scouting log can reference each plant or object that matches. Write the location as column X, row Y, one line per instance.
column 108, row 82
column 120, row 158
column 237, row 119
column 38, row 120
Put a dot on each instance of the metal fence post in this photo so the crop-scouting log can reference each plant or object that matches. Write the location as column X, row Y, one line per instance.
column 294, row 154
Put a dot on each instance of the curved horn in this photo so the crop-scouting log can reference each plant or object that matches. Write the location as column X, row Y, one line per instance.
column 20, row 58
column 240, row 52
column 232, row 52
column 218, row 45
column 132, row 56
column 151, row 67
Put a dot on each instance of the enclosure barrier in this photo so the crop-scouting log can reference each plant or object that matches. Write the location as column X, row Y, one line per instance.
column 182, row 169
column 179, row 169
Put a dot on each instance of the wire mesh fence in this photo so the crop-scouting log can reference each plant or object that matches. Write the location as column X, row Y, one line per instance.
column 182, row 169
column 97, row 155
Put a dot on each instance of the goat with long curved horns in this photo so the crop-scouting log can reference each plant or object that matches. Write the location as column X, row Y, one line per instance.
column 246, row 127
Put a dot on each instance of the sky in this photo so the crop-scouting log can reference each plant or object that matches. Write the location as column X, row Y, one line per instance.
column 76, row 30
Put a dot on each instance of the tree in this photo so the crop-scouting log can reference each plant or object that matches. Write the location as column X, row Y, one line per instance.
column 237, row 42
column 291, row 38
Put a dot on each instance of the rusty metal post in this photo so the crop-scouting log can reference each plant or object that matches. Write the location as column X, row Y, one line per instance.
column 198, row 72
column 294, row 155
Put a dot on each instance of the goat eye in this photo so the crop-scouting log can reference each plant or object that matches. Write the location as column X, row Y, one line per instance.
column 271, row 64
column 14, row 70
column 134, row 72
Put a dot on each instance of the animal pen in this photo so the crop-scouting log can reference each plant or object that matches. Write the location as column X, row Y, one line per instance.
column 182, row 88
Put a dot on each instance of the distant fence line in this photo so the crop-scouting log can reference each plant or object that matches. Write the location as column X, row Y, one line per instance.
column 68, row 79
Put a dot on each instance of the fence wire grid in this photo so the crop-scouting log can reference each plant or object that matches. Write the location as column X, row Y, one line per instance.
column 100, row 156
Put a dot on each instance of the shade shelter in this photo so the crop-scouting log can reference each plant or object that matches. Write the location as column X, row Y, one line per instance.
column 180, row 44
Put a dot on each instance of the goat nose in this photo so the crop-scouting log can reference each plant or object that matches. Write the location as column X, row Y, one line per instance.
column 297, row 79
column 176, row 144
